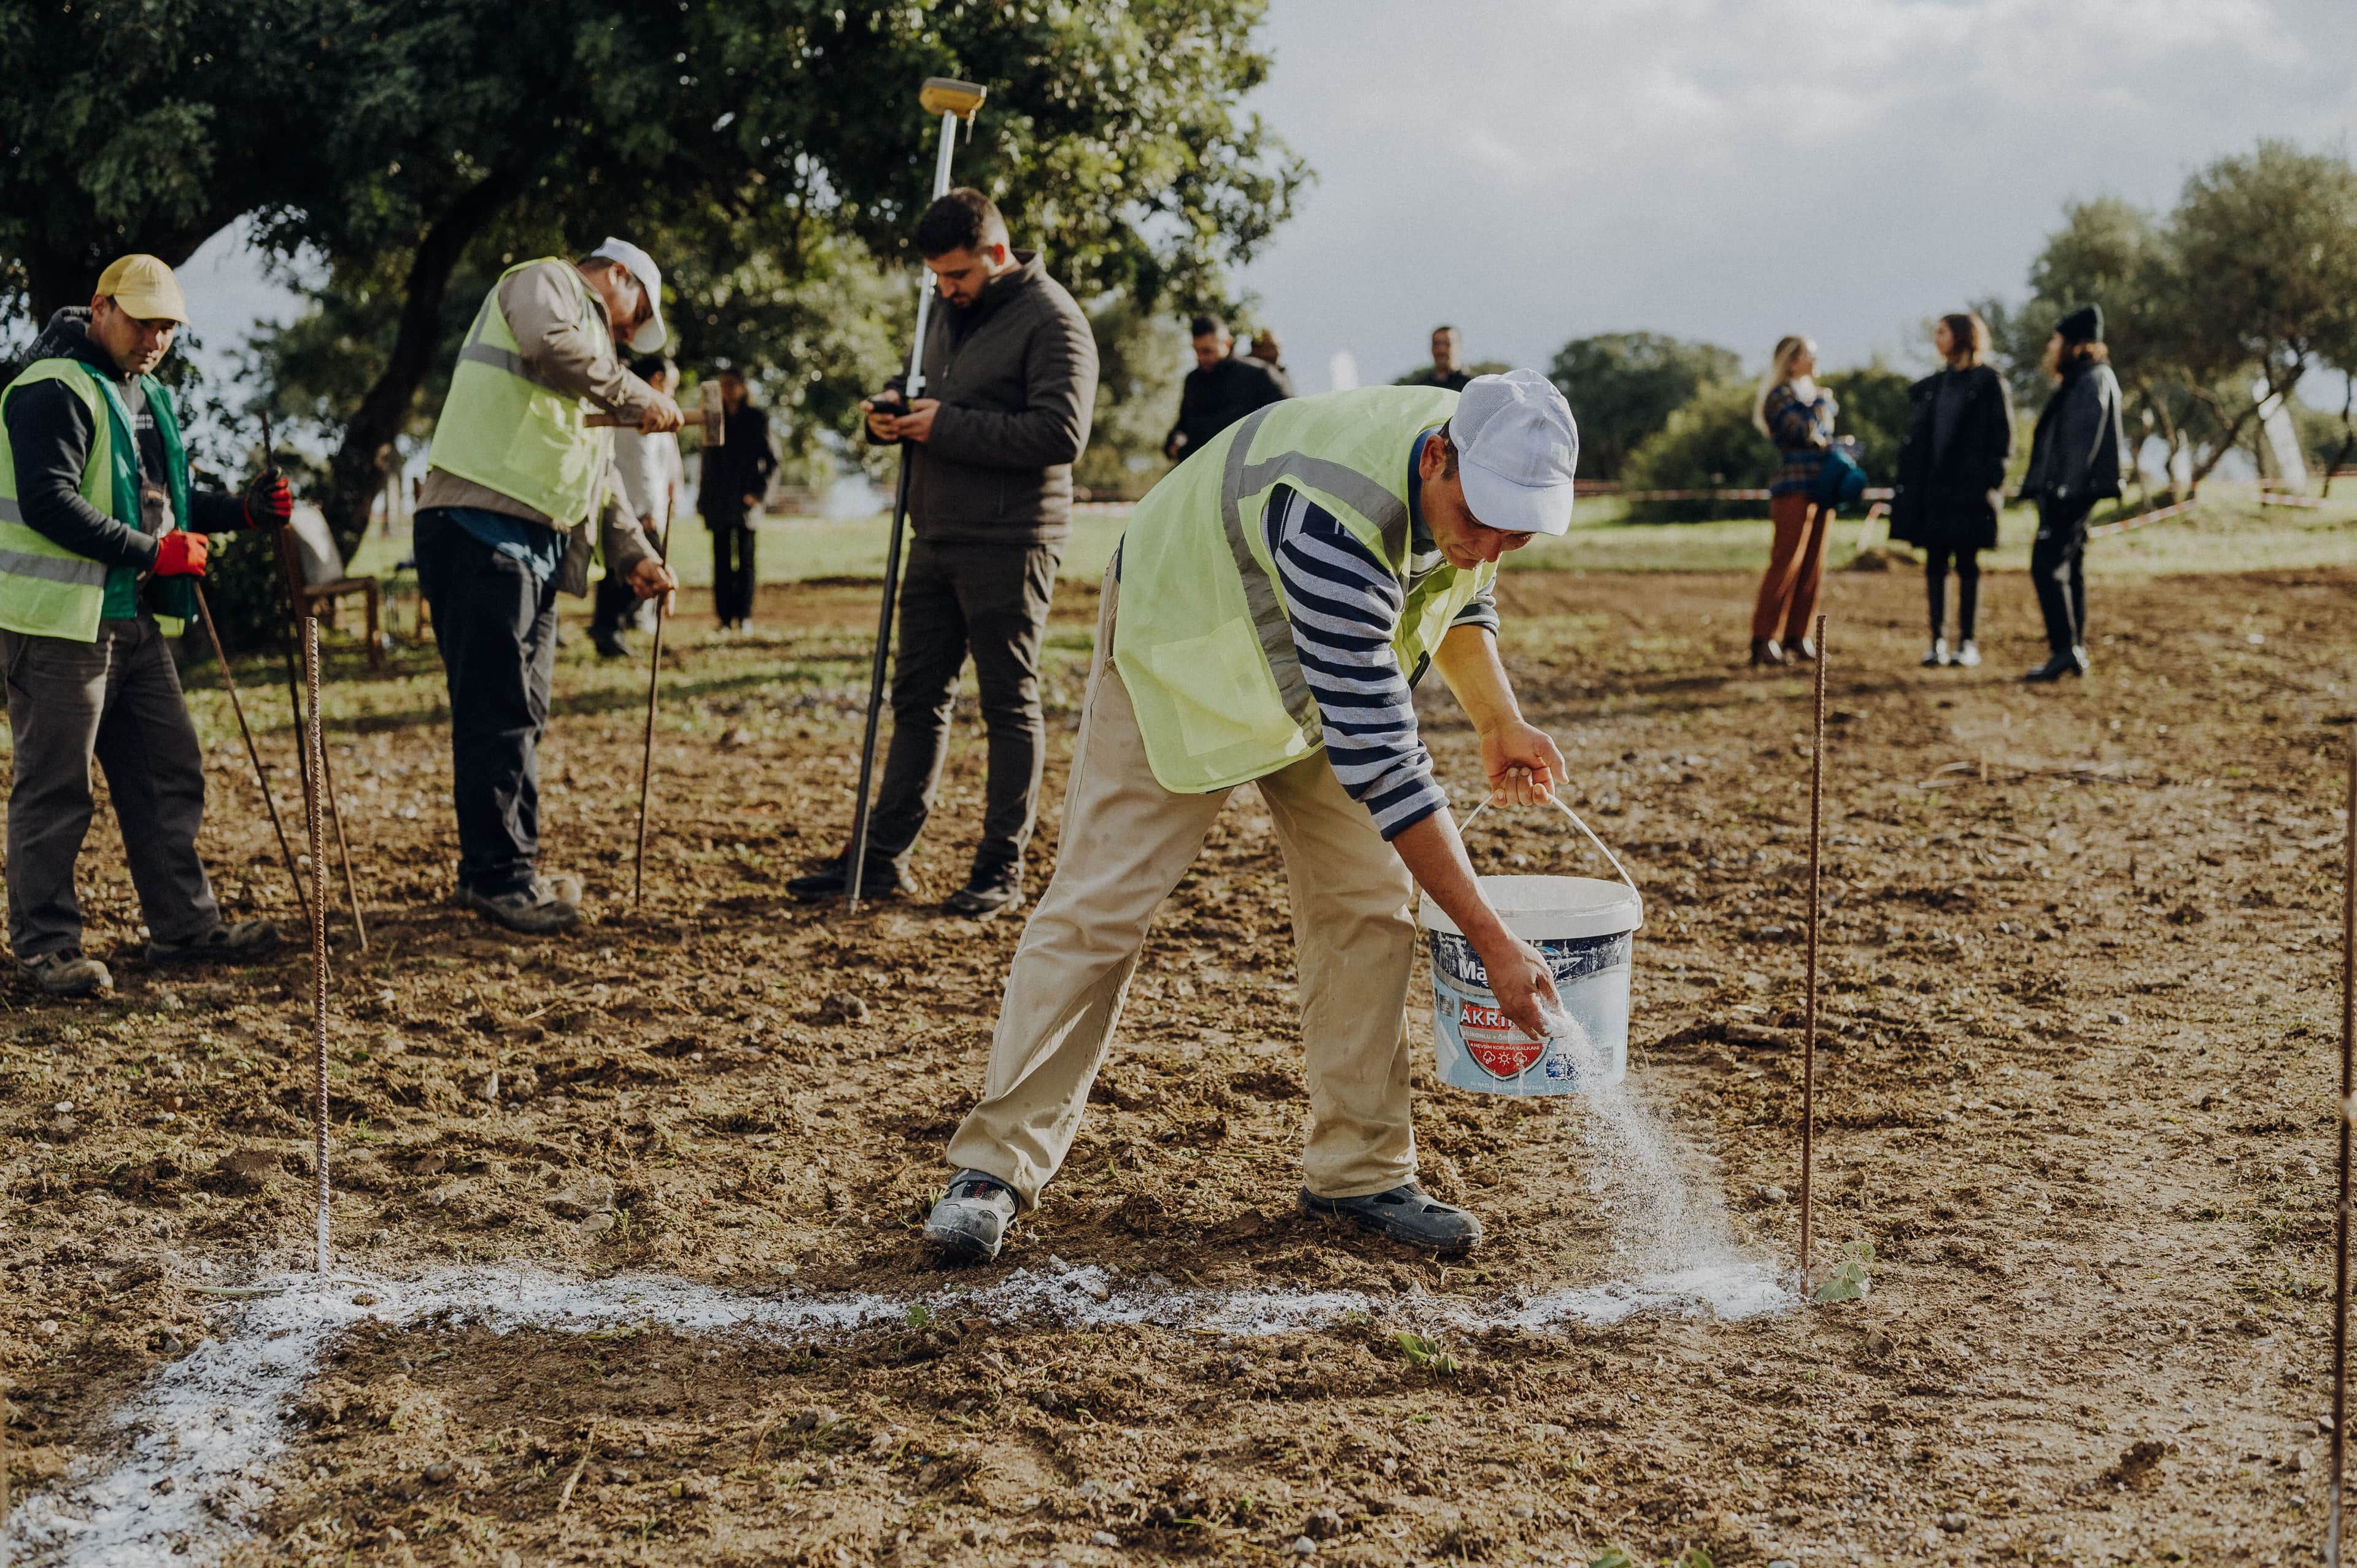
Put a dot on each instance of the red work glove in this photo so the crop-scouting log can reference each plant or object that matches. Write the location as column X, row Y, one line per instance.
column 269, row 503
column 181, row 555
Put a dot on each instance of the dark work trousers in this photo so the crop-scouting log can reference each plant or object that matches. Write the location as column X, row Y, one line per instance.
column 732, row 573
column 495, row 624
column 117, row 700
column 990, row 600
column 617, row 609
column 1936, row 560
column 2058, row 567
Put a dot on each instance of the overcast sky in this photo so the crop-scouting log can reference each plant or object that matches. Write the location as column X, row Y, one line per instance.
column 1535, row 170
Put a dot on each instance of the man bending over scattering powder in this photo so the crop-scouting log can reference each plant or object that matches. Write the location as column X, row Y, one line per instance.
column 1271, row 607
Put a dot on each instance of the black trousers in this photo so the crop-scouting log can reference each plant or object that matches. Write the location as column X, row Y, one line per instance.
column 615, row 609
column 2058, row 567
column 1937, row 558
column 732, row 572
column 990, row 600
column 495, row 624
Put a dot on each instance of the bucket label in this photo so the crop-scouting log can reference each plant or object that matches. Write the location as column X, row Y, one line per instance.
column 1490, row 1039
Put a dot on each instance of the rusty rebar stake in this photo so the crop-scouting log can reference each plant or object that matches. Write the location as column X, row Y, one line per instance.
column 314, row 756
column 2341, row 1204
column 1809, row 1002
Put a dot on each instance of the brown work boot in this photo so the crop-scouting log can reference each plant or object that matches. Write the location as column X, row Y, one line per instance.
column 66, row 973
column 550, row 905
column 236, row 941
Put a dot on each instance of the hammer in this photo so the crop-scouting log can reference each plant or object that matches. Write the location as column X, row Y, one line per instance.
column 710, row 420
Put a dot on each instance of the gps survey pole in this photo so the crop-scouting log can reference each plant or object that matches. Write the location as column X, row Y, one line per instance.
column 953, row 100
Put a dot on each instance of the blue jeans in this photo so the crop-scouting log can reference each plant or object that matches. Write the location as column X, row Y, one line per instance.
column 495, row 625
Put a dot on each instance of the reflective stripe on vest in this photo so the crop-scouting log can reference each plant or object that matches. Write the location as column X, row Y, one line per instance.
column 505, row 428
column 1203, row 640
column 46, row 590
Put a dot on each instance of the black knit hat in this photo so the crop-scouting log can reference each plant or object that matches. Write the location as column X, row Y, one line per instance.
column 2085, row 325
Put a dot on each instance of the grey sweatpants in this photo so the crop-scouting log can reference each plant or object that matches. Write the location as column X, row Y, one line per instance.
column 117, row 700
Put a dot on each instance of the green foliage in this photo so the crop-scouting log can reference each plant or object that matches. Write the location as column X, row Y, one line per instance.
column 766, row 150
column 1617, row 1557
column 1874, row 412
column 1141, row 361
column 1709, row 442
column 1624, row 386
column 1426, row 1354
column 2252, row 277
column 1850, row 1281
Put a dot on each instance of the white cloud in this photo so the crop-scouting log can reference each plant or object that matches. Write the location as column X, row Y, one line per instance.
column 1730, row 168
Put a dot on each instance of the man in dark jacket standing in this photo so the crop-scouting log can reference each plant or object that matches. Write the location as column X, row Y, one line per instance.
column 1011, row 373
column 731, row 480
column 2075, row 462
column 100, row 538
column 1220, row 389
column 1447, row 362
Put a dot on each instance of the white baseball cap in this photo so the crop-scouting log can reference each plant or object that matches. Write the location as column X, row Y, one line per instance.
column 1517, row 447
column 652, row 335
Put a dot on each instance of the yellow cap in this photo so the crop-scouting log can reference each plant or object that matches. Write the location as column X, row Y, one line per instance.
column 145, row 287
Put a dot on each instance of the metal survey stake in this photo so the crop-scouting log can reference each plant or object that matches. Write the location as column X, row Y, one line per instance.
column 229, row 685
column 953, row 100
column 291, row 569
column 2341, row 1207
column 1808, row 1000
column 315, row 755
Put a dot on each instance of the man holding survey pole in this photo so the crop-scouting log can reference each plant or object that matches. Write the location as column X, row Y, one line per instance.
column 1272, row 606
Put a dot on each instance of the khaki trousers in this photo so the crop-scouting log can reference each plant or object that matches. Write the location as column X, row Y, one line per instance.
column 1126, row 841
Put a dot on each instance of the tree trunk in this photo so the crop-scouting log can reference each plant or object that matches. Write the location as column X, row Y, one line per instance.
column 2347, row 435
column 357, row 472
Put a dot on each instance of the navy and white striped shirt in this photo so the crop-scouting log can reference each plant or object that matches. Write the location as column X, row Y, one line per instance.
column 1345, row 606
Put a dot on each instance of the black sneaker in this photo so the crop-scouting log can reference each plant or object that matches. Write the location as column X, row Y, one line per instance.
column 971, row 1219
column 991, row 891
column 235, row 942
column 881, row 880
column 607, row 642
column 1406, row 1213
column 2072, row 663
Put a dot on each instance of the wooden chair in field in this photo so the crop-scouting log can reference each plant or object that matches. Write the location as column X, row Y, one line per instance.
column 316, row 576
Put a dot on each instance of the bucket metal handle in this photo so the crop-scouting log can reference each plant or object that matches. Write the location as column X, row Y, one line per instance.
column 1557, row 802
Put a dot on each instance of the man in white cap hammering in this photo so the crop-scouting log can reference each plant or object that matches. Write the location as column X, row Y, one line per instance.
column 1271, row 606
column 517, row 480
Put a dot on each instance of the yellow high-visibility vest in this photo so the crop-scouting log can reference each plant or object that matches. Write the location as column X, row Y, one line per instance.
column 1203, row 641
column 503, row 429
column 46, row 590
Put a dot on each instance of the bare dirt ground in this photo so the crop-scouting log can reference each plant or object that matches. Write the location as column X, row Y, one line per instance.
column 2079, row 1035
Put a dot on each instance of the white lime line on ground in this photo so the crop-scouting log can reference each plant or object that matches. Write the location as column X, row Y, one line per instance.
column 186, row 1478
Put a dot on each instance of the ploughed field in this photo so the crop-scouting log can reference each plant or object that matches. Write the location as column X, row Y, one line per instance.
column 2080, row 1014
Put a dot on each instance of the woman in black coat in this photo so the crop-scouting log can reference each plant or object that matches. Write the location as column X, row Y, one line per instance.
column 1950, row 480
column 2075, row 461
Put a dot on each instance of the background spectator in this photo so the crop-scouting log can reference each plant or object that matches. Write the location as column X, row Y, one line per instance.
column 1950, row 481
column 1220, row 389
column 1797, row 415
column 731, row 479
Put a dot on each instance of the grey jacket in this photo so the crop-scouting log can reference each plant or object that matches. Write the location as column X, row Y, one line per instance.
column 1016, row 377
column 539, row 304
column 2081, row 440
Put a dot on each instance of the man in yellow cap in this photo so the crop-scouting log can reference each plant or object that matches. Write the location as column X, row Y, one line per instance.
column 100, row 538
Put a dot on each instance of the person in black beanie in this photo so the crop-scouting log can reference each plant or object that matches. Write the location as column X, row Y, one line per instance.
column 2075, row 455
column 1950, row 479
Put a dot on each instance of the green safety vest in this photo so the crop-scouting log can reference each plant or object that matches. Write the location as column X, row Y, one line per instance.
column 46, row 590
column 503, row 429
column 1203, row 640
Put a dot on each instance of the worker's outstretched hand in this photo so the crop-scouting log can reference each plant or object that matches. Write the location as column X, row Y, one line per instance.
column 182, row 555
column 651, row 579
column 1521, row 763
column 1519, row 980
column 268, row 500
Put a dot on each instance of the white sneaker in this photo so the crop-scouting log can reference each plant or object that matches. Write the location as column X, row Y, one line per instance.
column 1968, row 655
column 1937, row 654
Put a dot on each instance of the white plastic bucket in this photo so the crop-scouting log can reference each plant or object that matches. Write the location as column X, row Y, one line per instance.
column 1583, row 929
